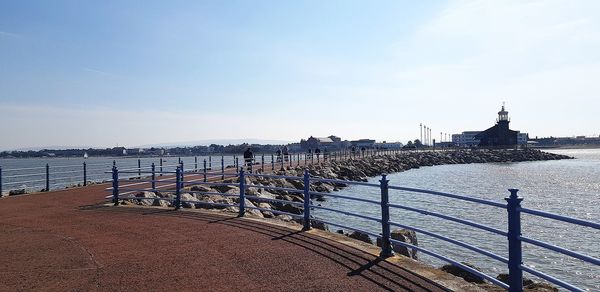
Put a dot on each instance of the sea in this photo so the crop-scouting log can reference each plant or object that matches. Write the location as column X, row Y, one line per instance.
column 565, row 187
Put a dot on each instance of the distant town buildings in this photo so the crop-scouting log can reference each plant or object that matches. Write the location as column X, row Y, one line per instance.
column 336, row 143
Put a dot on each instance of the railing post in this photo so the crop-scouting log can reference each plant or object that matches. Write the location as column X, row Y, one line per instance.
column 0, row 181
column 237, row 165
column 161, row 165
column 139, row 168
column 114, row 163
column 182, row 169
column 306, row 221
column 47, row 177
column 386, row 246
column 515, row 255
column 153, row 176
column 282, row 159
column 84, row 174
column 262, row 163
column 210, row 161
column 298, row 160
column 195, row 163
column 222, row 167
column 178, row 188
column 204, row 171
column 272, row 163
column 115, row 185
column 242, row 193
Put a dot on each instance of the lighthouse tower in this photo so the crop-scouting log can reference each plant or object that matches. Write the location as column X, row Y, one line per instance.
column 503, row 115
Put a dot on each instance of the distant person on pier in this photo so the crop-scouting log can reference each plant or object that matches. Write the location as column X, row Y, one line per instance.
column 286, row 153
column 248, row 157
column 278, row 153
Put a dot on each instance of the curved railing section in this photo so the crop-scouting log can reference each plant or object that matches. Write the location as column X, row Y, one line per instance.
column 175, row 182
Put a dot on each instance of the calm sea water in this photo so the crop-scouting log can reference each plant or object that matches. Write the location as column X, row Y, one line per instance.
column 30, row 173
column 567, row 187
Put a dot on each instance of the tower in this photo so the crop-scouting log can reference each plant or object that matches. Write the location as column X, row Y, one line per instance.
column 503, row 115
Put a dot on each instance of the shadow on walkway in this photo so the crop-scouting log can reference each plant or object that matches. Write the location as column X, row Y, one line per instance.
column 358, row 263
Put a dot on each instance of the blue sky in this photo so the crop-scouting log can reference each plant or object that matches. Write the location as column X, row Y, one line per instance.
column 129, row 73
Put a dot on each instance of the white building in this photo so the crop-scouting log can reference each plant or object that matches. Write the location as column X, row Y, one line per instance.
column 465, row 139
column 389, row 145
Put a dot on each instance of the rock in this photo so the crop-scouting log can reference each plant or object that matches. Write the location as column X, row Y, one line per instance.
column 407, row 236
column 541, row 287
column 226, row 189
column 286, row 218
column 250, row 209
column 319, row 225
column 201, row 188
column 266, row 214
column 459, row 272
column 188, row 200
column 530, row 285
column 16, row 192
column 361, row 236
column 148, row 201
column 504, row 278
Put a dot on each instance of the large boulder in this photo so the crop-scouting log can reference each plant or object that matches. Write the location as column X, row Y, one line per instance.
column 189, row 201
column 145, row 198
column 16, row 192
column 460, row 272
column 249, row 208
column 407, row 236
column 530, row 285
column 361, row 236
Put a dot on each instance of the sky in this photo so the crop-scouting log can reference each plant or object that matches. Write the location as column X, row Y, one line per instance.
column 129, row 73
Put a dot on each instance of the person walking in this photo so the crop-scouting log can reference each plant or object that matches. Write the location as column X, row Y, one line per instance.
column 286, row 153
column 248, row 159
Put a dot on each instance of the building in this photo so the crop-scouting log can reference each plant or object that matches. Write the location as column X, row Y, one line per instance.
column 500, row 135
column 331, row 143
column 389, row 145
column 366, row 143
column 466, row 139
column 497, row 136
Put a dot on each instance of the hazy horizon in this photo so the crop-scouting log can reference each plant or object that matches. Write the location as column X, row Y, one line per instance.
column 122, row 73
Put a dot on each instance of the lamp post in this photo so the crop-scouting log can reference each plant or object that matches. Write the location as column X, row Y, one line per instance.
column 421, row 130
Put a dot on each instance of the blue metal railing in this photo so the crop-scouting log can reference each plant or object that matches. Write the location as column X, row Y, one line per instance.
column 34, row 178
column 513, row 207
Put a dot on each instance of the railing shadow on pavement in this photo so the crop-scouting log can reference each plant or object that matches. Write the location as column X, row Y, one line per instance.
column 358, row 262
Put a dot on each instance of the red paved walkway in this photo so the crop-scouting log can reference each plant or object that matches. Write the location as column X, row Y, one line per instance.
column 66, row 240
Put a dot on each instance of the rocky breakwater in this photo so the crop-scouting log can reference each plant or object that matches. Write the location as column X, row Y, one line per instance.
column 259, row 195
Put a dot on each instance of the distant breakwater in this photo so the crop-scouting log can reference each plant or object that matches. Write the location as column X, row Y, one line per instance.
column 356, row 169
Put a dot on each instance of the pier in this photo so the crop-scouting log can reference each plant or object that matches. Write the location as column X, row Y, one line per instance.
column 77, row 231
